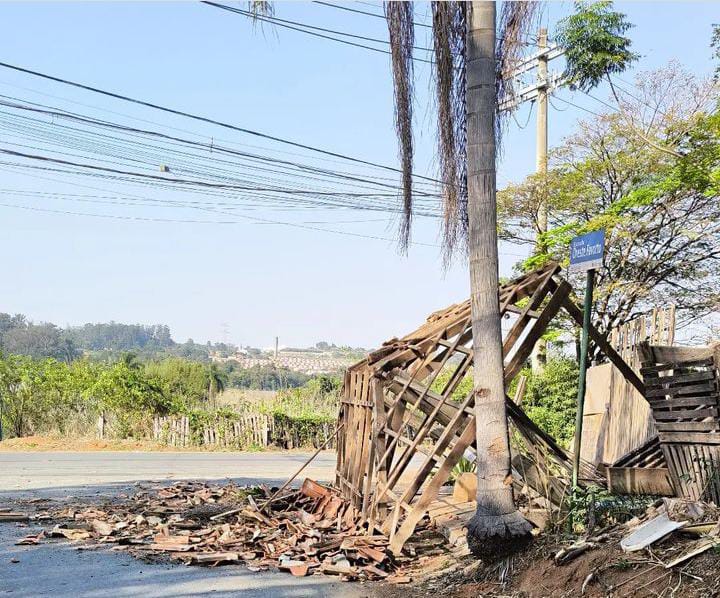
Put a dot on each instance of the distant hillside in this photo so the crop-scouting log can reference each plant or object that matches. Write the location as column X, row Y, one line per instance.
column 21, row 336
column 110, row 340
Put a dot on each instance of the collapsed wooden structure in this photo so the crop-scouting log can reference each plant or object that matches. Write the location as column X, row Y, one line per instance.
column 400, row 407
column 682, row 387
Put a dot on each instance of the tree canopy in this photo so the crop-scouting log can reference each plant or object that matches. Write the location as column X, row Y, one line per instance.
column 594, row 43
column 657, row 202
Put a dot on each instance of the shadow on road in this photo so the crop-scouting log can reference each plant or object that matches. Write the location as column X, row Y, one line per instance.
column 62, row 568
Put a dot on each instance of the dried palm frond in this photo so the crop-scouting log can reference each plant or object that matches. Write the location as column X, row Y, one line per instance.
column 261, row 8
column 449, row 46
column 399, row 16
column 260, row 11
column 449, row 25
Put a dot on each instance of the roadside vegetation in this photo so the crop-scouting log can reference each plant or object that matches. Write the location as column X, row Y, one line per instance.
column 51, row 397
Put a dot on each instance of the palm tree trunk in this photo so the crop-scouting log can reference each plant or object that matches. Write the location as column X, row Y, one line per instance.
column 497, row 527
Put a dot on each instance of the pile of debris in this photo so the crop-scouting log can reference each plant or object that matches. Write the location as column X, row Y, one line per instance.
column 694, row 519
column 306, row 531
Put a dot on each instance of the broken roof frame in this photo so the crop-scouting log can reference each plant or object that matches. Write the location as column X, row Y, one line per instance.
column 392, row 407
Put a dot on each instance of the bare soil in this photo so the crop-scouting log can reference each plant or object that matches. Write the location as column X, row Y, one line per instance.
column 608, row 571
column 61, row 443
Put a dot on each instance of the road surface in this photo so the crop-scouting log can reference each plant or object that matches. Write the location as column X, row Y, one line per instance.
column 60, row 569
column 54, row 471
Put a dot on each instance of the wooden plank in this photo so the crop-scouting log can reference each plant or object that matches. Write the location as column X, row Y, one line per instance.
column 432, row 489
column 686, row 426
column 398, row 468
column 436, row 453
column 653, row 369
column 641, row 455
column 516, row 363
column 667, row 354
column 633, row 480
column 665, row 416
column 690, row 389
column 629, row 374
column 667, row 381
column 517, row 329
column 689, row 437
column 683, row 402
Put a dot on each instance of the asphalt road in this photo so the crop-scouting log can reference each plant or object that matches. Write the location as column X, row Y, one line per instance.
column 50, row 471
column 60, row 569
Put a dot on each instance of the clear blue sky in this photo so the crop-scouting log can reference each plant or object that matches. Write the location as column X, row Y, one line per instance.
column 261, row 279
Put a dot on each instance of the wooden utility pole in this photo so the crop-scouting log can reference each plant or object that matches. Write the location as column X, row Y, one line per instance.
column 497, row 517
column 539, row 352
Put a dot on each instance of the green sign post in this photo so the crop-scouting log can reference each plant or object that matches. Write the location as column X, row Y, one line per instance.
column 586, row 254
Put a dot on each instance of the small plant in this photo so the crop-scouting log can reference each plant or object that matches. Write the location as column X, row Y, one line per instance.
column 622, row 565
column 463, row 466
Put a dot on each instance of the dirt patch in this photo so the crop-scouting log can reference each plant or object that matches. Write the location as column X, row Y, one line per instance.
column 604, row 571
column 59, row 443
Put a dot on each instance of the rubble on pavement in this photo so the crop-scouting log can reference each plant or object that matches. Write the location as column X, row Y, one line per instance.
column 306, row 531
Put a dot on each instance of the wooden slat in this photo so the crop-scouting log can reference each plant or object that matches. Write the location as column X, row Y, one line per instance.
column 666, row 354
column 665, row 416
column 432, row 489
column 686, row 426
column 613, row 356
column 538, row 328
column 689, row 437
column 654, row 369
column 684, row 402
column 709, row 388
column 633, row 480
column 668, row 381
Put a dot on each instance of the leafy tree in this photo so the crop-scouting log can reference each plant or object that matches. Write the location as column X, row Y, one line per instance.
column 659, row 209
column 37, row 340
column 264, row 377
column 217, row 380
column 551, row 398
column 183, row 382
column 594, row 43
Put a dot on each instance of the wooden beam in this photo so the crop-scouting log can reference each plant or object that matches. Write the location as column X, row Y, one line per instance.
column 536, row 331
column 431, row 490
column 607, row 349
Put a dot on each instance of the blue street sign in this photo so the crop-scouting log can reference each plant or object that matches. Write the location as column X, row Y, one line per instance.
column 586, row 251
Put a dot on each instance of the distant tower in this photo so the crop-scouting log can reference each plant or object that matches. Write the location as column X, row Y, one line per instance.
column 277, row 341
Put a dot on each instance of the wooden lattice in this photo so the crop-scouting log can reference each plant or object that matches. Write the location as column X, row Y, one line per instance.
column 405, row 431
column 683, row 389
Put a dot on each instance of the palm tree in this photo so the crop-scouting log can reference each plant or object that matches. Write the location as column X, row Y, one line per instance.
column 468, row 68
column 216, row 382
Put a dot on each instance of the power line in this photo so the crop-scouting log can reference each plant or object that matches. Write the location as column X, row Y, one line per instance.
column 279, row 21
column 136, row 154
column 184, row 181
column 363, row 12
column 297, row 27
column 54, row 112
column 252, row 218
column 578, row 106
column 173, row 128
column 207, row 120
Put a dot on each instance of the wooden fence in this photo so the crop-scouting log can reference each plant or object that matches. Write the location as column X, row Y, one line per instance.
column 616, row 418
column 247, row 430
column 174, row 431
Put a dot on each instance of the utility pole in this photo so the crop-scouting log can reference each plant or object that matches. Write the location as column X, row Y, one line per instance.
column 538, row 357
column 538, row 91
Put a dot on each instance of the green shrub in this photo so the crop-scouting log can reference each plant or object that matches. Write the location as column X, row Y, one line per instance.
column 551, row 398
